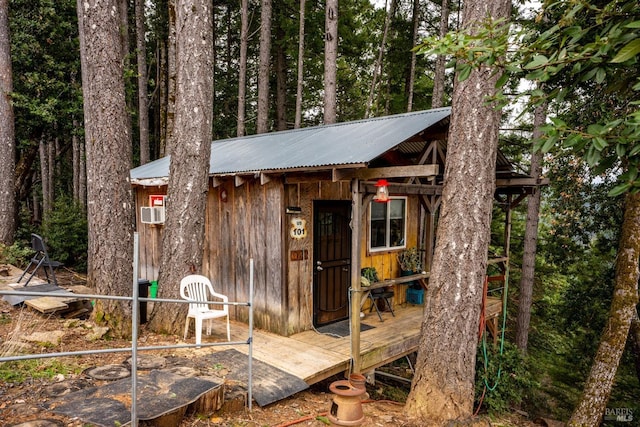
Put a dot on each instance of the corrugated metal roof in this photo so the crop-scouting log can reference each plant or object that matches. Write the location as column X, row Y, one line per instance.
column 356, row 142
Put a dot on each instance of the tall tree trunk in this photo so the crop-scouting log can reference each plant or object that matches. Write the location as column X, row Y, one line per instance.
column 330, row 61
column 242, row 67
column 79, row 169
column 7, row 134
column 51, row 171
column 263, row 67
column 108, row 150
column 75, row 163
column 162, row 77
column 124, row 31
column 44, row 177
column 143, row 97
column 443, row 384
column 377, row 66
column 171, row 77
column 82, row 176
column 300, row 82
column 437, row 98
column 412, row 71
column 530, row 238
column 281, row 82
column 183, row 240
column 597, row 389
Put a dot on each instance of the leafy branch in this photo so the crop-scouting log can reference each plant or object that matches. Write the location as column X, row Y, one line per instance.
column 597, row 48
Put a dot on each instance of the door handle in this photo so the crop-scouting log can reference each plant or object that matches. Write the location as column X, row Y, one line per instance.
column 319, row 268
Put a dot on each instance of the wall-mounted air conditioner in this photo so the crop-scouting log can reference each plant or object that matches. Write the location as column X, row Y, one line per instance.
column 152, row 215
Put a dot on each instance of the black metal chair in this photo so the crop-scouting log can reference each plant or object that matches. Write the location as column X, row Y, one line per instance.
column 386, row 296
column 40, row 260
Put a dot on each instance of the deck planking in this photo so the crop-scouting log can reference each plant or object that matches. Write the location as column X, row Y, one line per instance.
column 313, row 356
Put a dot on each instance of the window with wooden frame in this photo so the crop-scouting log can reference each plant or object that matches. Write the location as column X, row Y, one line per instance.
column 388, row 224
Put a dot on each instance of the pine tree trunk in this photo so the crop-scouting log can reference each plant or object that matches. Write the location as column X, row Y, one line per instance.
column 530, row 239
column 108, row 152
column 443, row 384
column 300, row 81
column 412, row 71
column 377, row 66
column 51, row 168
column 242, row 71
column 7, row 134
column 171, row 78
column 143, row 101
column 330, row 61
column 183, row 240
column 597, row 389
column 437, row 97
column 75, row 162
column 263, row 67
column 44, row 175
column 163, row 96
column 281, row 82
column 82, row 177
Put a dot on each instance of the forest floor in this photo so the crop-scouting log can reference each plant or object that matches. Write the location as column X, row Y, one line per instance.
column 26, row 386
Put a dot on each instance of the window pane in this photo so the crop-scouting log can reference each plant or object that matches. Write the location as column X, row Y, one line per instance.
column 397, row 215
column 396, row 206
column 378, row 211
column 378, row 225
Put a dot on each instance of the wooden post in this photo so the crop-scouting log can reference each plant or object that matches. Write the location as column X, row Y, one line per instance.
column 356, row 294
column 507, row 230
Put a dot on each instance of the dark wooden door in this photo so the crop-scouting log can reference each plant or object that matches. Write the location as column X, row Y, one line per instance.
column 332, row 261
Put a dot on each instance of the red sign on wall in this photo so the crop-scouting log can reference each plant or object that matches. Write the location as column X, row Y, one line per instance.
column 157, row 200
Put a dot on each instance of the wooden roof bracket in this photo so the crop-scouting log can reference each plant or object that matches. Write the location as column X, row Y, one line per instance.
column 216, row 181
column 367, row 174
column 264, row 178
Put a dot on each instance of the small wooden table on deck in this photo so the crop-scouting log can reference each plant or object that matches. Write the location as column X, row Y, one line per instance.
column 421, row 278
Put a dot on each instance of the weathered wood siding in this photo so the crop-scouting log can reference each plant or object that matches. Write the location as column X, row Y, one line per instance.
column 252, row 223
column 150, row 236
column 248, row 225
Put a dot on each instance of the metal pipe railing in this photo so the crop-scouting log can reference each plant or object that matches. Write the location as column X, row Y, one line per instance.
column 135, row 299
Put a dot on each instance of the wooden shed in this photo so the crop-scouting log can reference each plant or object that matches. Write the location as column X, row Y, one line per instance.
column 300, row 203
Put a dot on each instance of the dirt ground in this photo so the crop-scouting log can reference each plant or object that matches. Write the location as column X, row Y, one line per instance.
column 23, row 400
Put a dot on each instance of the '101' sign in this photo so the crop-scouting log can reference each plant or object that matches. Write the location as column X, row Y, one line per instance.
column 298, row 228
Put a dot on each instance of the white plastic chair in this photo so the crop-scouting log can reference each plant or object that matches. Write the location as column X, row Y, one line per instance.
column 199, row 288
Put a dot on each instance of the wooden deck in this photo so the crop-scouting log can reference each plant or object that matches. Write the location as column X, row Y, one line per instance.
column 313, row 356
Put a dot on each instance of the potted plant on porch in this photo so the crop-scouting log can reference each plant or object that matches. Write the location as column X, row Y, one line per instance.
column 410, row 261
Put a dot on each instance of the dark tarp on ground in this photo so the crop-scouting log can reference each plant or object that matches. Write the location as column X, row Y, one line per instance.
column 159, row 393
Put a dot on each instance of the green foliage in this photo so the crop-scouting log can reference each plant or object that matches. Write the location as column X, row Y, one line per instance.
column 503, row 380
column 370, row 274
column 66, row 233
column 17, row 254
column 410, row 260
column 586, row 57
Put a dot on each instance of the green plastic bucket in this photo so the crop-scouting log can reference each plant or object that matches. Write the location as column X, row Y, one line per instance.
column 153, row 289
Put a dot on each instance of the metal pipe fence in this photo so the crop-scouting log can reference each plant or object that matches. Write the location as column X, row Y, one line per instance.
column 135, row 299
